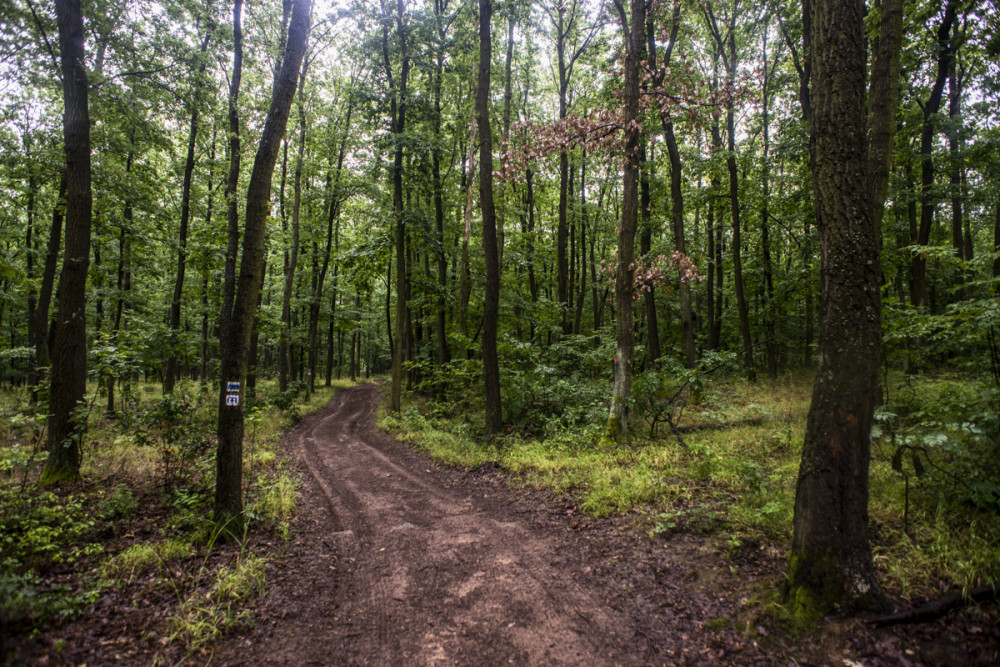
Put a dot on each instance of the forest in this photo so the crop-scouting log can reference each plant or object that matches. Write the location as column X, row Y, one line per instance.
column 727, row 268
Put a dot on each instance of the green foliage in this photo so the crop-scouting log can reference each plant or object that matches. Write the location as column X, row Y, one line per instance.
column 181, row 429
column 205, row 614
column 139, row 559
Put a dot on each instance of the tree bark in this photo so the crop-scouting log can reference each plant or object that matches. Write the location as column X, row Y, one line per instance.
column 398, row 113
column 464, row 279
column 831, row 560
column 170, row 373
column 618, row 419
column 945, row 54
column 645, row 244
column 676, row 193
column 229, row 459
column 285, row 361
column 68, row 379
column 232, row 179
column 491, row 302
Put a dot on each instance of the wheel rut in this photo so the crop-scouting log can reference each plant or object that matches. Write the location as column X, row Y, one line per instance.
column 395, row 564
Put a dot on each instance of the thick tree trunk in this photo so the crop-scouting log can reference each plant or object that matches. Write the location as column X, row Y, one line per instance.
column 831, row 560
column 229, row 459
column 491, row 302
column 68, row 380
column 618, row 419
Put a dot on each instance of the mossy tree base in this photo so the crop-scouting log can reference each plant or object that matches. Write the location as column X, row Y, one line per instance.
column 57, row 476
column 817, row 585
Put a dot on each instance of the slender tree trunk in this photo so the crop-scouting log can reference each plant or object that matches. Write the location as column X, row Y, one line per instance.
column 45, row 289
column 577, row 320
column 734, row 205
column 770, row 345
column 440, row 332
column 68, row 379
column 634, row 41
column 491, row 303
column 464, row 278
column 676, row 193
column 645, row 243
column 30, row 250
column 203, row 369
column 285, row 362
column 229, row 459
column 232, row 179
column 171, row 372
column 398, row 113
column 945, row 53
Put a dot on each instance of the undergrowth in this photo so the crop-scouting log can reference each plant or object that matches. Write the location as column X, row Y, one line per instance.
column 729, row 470
column 141, row 514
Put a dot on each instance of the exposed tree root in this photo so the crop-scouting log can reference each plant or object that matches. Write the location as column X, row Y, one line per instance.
column 940, row 607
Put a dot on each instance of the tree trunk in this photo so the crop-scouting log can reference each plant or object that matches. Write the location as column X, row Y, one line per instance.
column 232, row 179
column 645, row 243
column 398, row 113
column 171, row 371
column 734, row 205
column 676, row 193
column 831, row 560
column 229, row 459
column 945, row 54
column 68, row 379
column 42, row 331
column 491, row 303
column 464, row 279
column 770, row 346
column 618, row 419
column 285, row 362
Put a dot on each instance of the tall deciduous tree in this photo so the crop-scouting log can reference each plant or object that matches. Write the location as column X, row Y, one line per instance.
column 831, row 559
column 397, row 107
column 229, row 458
column 491, row 303
column 69, row 345
column 634, row 40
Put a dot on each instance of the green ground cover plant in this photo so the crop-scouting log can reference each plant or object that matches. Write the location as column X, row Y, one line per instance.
column 730, row 471
column 140, row 516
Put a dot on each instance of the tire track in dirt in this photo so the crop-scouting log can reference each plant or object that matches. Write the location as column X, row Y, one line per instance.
column 420, row 573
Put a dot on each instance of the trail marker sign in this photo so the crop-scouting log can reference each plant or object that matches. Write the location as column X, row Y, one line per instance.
column 232, row 386
column 232, row 399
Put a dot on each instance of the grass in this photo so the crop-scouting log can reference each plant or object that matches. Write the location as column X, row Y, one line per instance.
column 737, row 483
column 206, row 613
column 147, row 476
column 139, row 559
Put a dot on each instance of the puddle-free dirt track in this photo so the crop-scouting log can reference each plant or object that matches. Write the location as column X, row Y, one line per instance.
column 401, row 562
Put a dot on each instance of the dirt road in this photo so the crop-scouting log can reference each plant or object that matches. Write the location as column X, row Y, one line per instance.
column 402, row 563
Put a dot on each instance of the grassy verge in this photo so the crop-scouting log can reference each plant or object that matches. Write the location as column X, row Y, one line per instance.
column 731, row 475
column 140, row 516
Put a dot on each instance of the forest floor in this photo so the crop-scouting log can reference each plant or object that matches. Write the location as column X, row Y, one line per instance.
column 396, row 560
